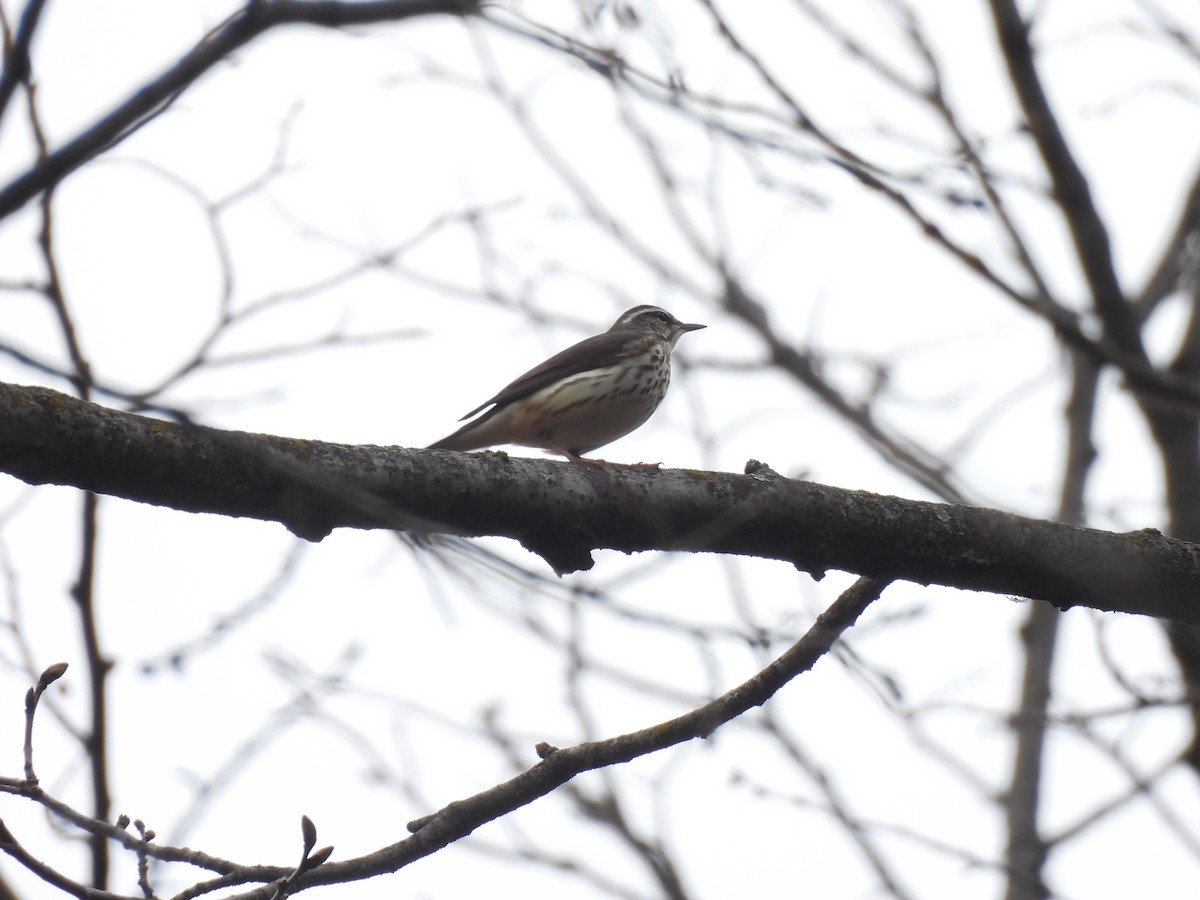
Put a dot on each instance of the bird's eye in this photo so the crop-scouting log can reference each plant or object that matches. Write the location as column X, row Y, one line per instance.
column 662, row 316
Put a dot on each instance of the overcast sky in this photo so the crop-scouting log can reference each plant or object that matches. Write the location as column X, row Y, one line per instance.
column 278, row 177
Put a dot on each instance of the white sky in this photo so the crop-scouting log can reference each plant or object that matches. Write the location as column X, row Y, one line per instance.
column 389, row 130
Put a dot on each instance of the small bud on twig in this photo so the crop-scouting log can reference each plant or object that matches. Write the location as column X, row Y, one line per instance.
column 309, row 830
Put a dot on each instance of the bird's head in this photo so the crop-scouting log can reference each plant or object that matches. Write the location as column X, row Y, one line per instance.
column 652, row 321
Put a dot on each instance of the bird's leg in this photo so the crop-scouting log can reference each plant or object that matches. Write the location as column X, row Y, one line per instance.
column 575, row 457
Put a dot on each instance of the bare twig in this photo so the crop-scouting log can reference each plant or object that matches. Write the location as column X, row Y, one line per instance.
column 17, row 68
column 32, row 696
column 244, row 26
column 460, row 818
column 308, row 859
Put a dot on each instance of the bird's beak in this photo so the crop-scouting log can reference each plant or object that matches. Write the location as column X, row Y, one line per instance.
column 683, row 327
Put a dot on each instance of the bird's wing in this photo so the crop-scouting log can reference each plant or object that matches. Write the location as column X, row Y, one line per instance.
column 591, row 353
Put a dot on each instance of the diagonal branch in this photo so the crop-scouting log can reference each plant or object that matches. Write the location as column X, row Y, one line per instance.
column 1176, row 267
column 560, row 765
column 460, row 818
column 248, row 23
column 1070, row 185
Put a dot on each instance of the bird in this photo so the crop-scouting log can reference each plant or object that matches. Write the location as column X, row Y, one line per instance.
column 584, row 397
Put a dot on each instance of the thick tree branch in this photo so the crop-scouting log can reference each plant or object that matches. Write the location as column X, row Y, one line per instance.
column 563, row 512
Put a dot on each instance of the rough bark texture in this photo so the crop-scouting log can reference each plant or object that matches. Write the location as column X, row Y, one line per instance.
column 563, row 511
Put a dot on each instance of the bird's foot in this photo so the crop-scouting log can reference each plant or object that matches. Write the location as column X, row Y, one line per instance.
column 576, row 458
column 598, row 463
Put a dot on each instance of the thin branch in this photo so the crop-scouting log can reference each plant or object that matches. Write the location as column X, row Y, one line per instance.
column 83, row 592
column 32, row 697
column 244, row 26
column 1071, row 190
column 461, row 818
column 1027, row 851
column 1180, row 259
column 838, row 807
column 11, row 846
column 17, row 68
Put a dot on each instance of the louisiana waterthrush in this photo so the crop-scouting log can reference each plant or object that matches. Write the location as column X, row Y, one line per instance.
column 584, row 397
